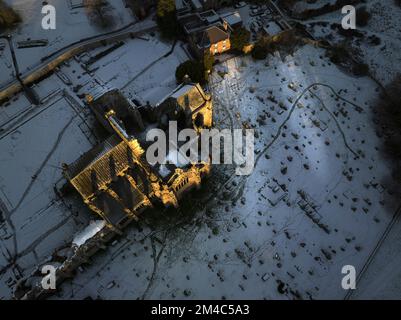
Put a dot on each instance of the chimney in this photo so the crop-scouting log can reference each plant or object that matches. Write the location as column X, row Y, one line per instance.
column 225, row 25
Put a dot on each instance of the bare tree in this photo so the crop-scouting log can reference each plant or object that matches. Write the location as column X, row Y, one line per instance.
column 99, row 11
column 8, row 17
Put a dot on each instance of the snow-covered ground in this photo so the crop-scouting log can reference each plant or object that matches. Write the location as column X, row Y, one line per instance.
column 36, row 141
column 315, row 202
column 382, row 279
column 72, row 24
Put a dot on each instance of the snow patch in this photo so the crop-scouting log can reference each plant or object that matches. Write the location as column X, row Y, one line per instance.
column 89, row 232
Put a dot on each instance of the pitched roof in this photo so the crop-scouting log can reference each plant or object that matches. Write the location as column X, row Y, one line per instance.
column 189, row 96
column 103, row 169
column 216, row 34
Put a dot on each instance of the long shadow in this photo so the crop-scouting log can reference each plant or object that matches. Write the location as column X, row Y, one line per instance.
column 387, row 123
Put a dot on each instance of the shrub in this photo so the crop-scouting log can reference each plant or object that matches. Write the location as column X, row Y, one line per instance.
column 374, row 40
column 240, row 38
column 194, row 69
column 141, row 9
column 286, row 43
column 339, row 53
column 360, row 69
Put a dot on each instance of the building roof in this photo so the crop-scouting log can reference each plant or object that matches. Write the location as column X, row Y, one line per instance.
column 101, row 170
column 216, row 34
column 196, row 4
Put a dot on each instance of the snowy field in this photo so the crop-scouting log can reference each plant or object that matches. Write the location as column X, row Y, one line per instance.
column 34, row 142
column 315, row 202
column 384, row 58
column 72, row 24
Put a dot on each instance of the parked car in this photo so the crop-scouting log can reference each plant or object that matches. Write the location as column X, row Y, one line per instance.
column 240, row 4
column 255, row 12
column 255, row 27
